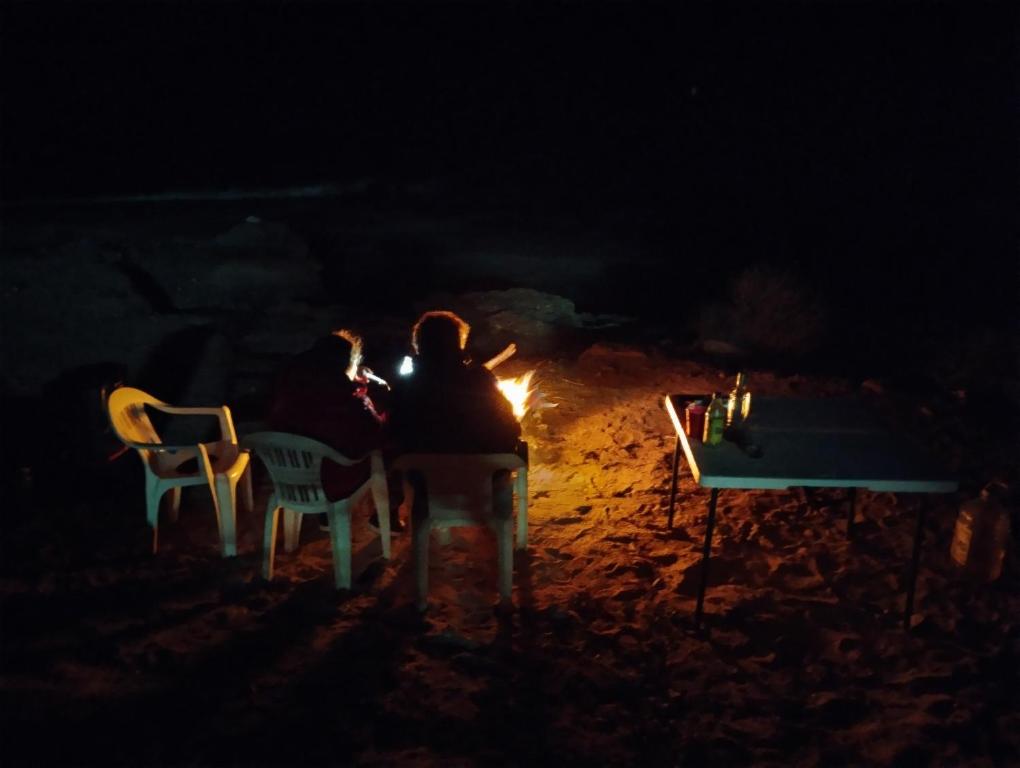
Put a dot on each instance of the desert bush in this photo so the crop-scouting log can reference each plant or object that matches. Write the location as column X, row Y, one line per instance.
column 767, row 312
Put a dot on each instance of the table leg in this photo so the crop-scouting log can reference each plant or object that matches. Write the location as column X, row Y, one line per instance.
column 851, row 513
column 915, row 558
column 672, row 490
column 706, row 553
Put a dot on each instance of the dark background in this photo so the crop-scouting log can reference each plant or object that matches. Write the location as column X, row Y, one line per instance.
column 870, row 147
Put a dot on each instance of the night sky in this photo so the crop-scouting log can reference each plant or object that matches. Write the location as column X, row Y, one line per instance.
column 841, row 139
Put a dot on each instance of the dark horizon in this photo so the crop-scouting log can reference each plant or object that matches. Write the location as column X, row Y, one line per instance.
column 873, row 149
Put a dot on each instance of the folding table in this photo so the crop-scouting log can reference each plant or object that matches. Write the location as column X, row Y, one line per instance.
column 820, row 443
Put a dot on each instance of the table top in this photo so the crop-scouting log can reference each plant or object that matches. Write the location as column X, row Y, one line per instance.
column 824, row 443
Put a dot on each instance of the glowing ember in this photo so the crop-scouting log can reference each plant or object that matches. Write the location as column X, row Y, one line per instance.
column 518, row 391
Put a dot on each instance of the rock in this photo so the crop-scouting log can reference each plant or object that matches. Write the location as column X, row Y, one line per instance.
column 536, row 321
column 722, row 348
column 74, row 308
column 119, row 301
column 532, row 319
column 768, row 312
column 256, row 236
column 604, row 351
column 251, row 265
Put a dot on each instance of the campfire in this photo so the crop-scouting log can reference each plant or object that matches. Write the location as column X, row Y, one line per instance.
column 518, row 391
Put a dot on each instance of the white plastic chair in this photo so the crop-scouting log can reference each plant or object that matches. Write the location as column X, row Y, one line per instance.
column 220, row 464
column 295, row 466
column 459, row 491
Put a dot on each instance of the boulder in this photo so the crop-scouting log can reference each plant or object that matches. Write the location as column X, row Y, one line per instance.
column 536, row 321
column 769, row 313
column 253, row 265
column 614, row 355
column 74, row 306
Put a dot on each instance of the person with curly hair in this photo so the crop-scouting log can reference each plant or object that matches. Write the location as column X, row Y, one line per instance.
column 449, row 404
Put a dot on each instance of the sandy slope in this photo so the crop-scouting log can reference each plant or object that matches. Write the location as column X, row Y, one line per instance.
column 112, row 657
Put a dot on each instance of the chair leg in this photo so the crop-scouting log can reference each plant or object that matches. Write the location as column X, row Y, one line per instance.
column 340, row 536
column 249, row 495
column 226, row 491
column 504, row 539
column 383, row 513
column 269, row 538
column 420, row 530
column 217, row 510
column 381, row 498
column 153, row 494
column 175, row 504
column 522, row 508
column 211, row 479
column 291, row 529
column 407, row 505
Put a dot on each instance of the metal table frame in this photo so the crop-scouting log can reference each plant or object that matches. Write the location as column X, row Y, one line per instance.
column 718, row 482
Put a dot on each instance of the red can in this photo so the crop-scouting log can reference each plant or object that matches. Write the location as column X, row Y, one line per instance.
column 694, row 419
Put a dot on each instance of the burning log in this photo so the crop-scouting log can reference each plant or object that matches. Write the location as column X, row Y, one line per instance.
column 517, row 390
column 506, row 354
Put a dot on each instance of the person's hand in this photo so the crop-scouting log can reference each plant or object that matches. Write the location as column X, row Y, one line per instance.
column 367, row 375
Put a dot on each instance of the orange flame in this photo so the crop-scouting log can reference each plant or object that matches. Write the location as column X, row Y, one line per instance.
column 518, row 391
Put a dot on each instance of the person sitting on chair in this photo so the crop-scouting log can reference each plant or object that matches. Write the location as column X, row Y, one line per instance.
column 448, row 404
column 321, row 394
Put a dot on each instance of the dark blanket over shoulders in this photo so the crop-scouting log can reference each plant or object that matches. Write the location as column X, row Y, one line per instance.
column 452, row 409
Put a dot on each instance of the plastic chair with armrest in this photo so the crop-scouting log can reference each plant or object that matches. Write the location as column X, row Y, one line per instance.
column 462, row 490
column 295, row 467
column 220, row 465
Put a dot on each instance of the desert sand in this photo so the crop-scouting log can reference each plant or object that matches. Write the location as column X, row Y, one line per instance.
column 112, row 656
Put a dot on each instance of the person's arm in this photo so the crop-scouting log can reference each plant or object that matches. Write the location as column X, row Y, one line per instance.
column 363, row 392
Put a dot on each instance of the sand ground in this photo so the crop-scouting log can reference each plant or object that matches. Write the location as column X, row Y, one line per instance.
column 115, row 657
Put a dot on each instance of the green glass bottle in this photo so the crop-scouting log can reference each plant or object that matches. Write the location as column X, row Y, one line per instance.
column 715, row 420
column 739, row 404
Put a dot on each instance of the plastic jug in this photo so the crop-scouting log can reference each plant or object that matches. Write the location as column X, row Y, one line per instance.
column 981, row 536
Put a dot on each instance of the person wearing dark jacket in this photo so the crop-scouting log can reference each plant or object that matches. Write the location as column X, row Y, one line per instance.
column 448, row 404
column 320, row 394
